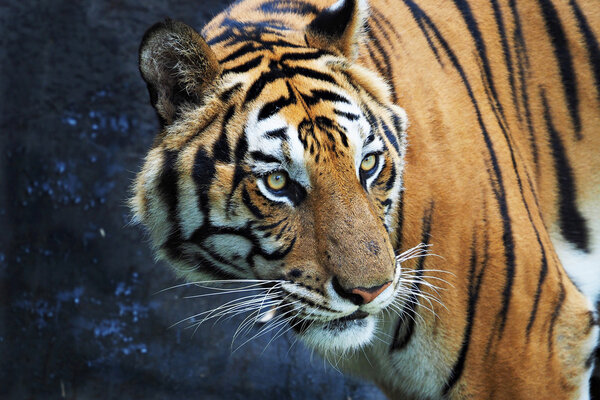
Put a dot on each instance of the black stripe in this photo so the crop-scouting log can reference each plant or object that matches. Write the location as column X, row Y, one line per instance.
column 280, row 233
column 216, row 259
column 380, row 20
column 505, row 49
column 221, row 148
column 410, row 306
column 277, row 133
column 305, row 131
column 225, row 96
column 509, row 254
column 280, row 253
column 310, row 73
column 251, row 206
column 270, row 108
column 465, row 10
column 325, row 95
column 400, row 224
column 557, row 307
column 523, row 65
column 390, row 135
column 203, row 174
column 270, row 44
column 399, row 125
column 240, row 152
column 324, row 122
column 420, row 17
column 564, row 59
column 387, row 64
column 257, row 87
column 327, row 124
column 304, row 56
column 590, row 42
column 167, row 188
column 383, row 18
column 538, row 290
column 392, row 179
column 245, row 49
column 343, row 137
column 227, row 34
column 267, row 158
column 245, row 67
column 270, row 226
column 386, row 202
column 347, row 115
column 573, row 226
column 473, row 297
column 207, row 266
column 378, row 65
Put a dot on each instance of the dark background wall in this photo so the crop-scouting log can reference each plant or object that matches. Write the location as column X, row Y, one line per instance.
column 79, row 313
column 80, row 316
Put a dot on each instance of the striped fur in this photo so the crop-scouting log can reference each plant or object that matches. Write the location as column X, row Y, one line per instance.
column 501, row 175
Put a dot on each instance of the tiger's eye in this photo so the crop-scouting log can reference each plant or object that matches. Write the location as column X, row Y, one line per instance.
column 277, row 180
column 368, row 162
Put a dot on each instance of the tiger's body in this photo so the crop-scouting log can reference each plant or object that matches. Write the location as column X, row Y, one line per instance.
column 501, row 175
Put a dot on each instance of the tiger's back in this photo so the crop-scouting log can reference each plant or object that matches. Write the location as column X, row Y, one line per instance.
column 501, row 175
column 520, row 83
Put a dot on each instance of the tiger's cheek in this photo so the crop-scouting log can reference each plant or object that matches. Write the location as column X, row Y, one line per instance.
column 302, row 266
column 219, row 194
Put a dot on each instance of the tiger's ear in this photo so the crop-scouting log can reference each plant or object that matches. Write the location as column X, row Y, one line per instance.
column 177, row 65
column 339, row 28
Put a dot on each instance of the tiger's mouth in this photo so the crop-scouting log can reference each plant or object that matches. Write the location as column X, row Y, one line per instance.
column 339, row 324
column 358, row 314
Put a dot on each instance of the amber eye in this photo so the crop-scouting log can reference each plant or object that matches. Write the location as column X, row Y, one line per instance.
column 277, row 180
column 368, row 163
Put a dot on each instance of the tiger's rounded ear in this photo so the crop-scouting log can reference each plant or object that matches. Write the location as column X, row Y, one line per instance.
column 339, row 28
column 177, row 65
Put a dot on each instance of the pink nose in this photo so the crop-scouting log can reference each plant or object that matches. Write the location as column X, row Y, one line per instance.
column 369, row 294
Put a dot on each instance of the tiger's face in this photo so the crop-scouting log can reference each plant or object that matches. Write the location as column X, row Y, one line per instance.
column 288, row 172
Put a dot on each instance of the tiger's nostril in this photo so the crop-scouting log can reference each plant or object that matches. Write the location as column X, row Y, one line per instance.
column 359, row 295
column 346, row 294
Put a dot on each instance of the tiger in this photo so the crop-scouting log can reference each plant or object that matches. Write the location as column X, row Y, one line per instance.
column 417, row 183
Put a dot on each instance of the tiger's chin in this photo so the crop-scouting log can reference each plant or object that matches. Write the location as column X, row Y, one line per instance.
column 340, row 335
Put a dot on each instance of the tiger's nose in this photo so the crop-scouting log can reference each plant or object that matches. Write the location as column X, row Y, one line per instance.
column 359, row 295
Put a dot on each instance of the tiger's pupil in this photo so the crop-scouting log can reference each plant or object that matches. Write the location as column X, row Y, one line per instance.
column 277, row 180
column 368, row 162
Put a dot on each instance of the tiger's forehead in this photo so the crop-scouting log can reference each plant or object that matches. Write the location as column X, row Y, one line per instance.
column 297, row 123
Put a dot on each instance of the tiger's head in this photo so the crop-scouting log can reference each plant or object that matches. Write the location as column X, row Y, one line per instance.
column 280, row 159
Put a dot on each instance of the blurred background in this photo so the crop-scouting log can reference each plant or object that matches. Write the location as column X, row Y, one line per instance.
column 81, row 312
